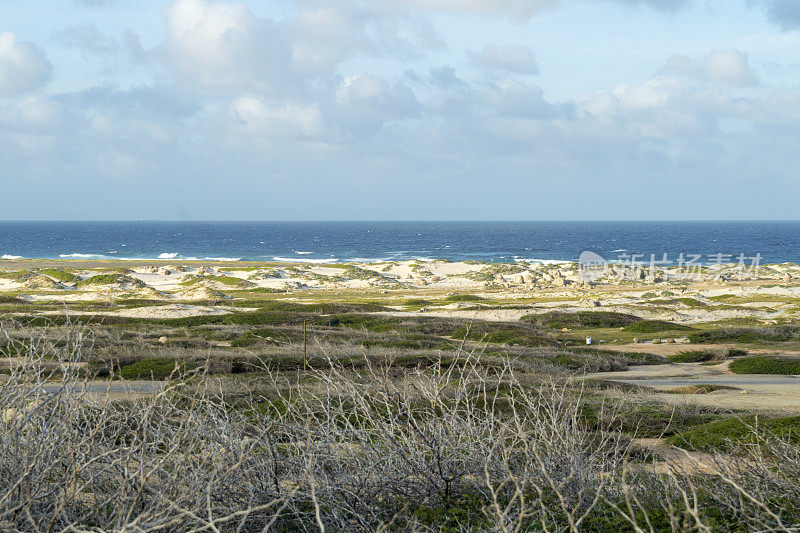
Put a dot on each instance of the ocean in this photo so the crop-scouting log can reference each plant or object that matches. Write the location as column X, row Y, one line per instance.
column 771, row 242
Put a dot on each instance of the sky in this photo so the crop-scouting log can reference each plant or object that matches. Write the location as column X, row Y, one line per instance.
column 399, row 109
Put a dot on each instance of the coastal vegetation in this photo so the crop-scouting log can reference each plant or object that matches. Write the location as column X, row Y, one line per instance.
column 126, row 405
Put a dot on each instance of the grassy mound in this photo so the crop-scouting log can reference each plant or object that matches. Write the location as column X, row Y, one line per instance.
column 764, row 364
column 463, row 298
column 153, row 368
column 581, row 319
column 60, row 275
column 654, row 326
column 111, row 279
column 747, row 335
column 694, row 356
column 723, row 434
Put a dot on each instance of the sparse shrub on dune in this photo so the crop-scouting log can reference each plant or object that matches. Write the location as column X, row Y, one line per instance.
column 765, row 364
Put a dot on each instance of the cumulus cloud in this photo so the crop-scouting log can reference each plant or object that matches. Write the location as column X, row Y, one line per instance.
column 88, row 39
column 223, row 45
column 784, row 13
column 518, row 59
column 726, row 67
column 257, row 117
column 366, row 102
column 521, row 9
column 23, row 66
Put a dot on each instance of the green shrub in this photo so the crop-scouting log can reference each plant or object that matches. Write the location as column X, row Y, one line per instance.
column 502, row 335
column 654, row 326
column 417, row 302
column 110, row 279
column 463, row 298
column 60, row 275
column 694, row 356
column 736, row 352
column 747, row 335
column 723, row 434
column 152, row 368
column 581, row 319
column 765, row 364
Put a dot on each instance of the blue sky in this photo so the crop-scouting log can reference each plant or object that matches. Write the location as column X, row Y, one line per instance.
column 400, row 109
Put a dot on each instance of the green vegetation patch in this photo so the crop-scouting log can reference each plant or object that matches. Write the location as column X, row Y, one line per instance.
column 765, row 364
column 581, row 319
column 699, row 389
column 229, row 281
column 723, row 435
column 110, row 279
column 463, row 298
column 153, row 368
column 654, row 326
column 60, row 275
column 503, row 335
column 693, row 356
column 747, row 335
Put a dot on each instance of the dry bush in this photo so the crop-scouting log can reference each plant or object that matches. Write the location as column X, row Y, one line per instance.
column 457, row 446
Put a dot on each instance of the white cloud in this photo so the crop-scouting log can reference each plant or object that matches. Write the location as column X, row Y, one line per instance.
column 88, row 39
column 518, row 59
column 23, row 66
column 366, row 102
column 256, row 117
column 224, row 46
column 727, row 67
column 784, row 13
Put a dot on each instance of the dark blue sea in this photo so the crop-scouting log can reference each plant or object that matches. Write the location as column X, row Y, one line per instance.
column 382, row 241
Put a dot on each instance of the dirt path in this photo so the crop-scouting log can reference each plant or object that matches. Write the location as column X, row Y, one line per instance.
column 751, row 392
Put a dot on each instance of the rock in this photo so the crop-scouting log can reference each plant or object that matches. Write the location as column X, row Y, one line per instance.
column 162, row 340
column 519, row 278
column 636, row 340
column 656, row 341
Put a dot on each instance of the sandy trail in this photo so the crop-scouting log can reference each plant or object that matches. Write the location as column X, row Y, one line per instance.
column 753, row 392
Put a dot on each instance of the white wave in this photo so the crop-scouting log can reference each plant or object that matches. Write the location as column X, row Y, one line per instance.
column 6, row 256
column 82, row 256
column 222, row 259
column 618, row 251
column 168, row 255
column 298, row 260
column 303, row 253
column 547, row 261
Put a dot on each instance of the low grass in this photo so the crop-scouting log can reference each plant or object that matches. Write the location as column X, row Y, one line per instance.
column 765, row 364
column 723, row 435
column 16, row 275
column 655, row 326
column 152, row 368
column 699, row 389
column 503, row 335
column 693, row 356
column 110, row 279
column 228, row 281
column 60, row 275
column 581, row 319
column 745, row 335
column 453, row 298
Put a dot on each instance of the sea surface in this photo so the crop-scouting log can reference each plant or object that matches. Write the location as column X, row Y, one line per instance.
column 331, row 242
